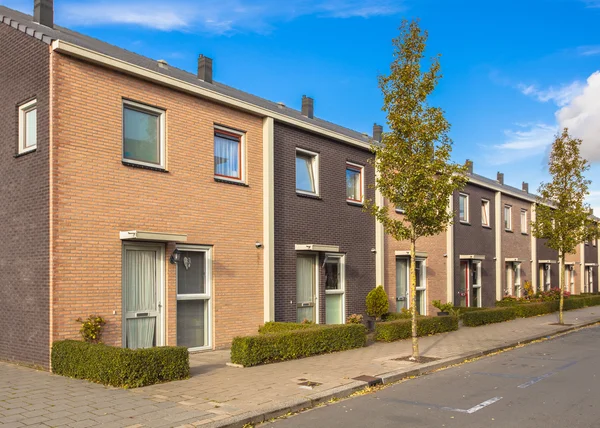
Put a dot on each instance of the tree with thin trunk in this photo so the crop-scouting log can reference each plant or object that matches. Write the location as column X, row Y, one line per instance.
column 562, row 217
column 412, row 161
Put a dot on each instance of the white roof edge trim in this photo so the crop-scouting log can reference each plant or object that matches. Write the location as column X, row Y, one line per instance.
column 67, row 48
column 138, row 235
column 318, row 247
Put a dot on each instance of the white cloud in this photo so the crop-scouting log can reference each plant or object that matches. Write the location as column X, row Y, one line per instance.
column 582, row 116
column 216, row 16
column 560, row 96
column 588, row 50
column 527, row 140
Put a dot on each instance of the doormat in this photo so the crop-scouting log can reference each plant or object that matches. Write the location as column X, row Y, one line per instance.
column 557, row 323
column 420, row 360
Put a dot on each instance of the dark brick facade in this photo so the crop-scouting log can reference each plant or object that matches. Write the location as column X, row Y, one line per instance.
column 591, row 256
column 329, row 220
column 24, row 202
column 473, row 238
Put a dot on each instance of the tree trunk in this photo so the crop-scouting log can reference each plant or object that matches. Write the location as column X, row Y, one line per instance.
column 413, row 299
column 561, row 281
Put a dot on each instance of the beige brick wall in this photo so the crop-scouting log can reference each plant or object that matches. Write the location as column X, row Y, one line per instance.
column 436, row 268
column 95, row 196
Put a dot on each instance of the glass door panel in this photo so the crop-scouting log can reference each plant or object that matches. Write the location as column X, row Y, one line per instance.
column 463, row 284
column 334, row 289
column 401, row 284
column 305, row 288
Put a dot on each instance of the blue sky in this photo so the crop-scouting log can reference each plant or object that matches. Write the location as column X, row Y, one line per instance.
column 514, row 71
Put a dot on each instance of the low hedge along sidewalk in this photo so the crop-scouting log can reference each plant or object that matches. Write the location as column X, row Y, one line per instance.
column 488, row 316
column 122, row 367
column 390, row 331
column 297, row 343
column 281, row 327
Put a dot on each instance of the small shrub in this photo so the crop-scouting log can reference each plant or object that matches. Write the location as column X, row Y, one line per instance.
column 528, row 290
column 377, row 302
column 122, row 367
column 354, row 319
column 280, row 327
column 268, row 348
column 402, row 329
column 443, row 307
column 488, row 316
column 404, row 314
column 91, row 328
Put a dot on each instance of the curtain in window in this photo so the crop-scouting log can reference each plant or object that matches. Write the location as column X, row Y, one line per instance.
column 305, row 179
column 461, row 208
column 227, row 156
column 31, row 128
column 141, row 136
column 333, row 308
column 484, row 214
column 401, row 283
column 140, row 296
column 353, row 190
column 305, row 277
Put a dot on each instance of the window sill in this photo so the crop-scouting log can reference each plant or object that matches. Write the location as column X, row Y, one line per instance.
column 508, row 230
column 308, row 195
column 18, row 155
column 234, row 182
column 137, row 165
column 486, row 226
column 524, row 233
column 466, row 223
column 354, row 203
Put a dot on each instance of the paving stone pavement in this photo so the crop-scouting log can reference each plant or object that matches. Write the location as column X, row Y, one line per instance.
column 220, row 395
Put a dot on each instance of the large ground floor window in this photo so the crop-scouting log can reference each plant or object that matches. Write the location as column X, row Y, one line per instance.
column 335, row 278
column 194, row 283
column 512, row 278
column 470, row 283
column 545, row 276
column 588, row 284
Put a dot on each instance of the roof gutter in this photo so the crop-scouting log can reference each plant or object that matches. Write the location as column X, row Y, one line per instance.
column 70, row 49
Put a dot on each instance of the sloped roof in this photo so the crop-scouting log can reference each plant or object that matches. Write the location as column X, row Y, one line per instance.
column 26, row 24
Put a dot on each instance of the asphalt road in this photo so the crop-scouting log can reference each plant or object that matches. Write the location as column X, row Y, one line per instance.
column 555, row 383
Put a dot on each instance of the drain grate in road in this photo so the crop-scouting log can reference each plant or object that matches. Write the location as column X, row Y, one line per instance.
column 421, row 359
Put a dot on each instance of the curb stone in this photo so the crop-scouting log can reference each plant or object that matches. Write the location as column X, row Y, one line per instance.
column 296, row 405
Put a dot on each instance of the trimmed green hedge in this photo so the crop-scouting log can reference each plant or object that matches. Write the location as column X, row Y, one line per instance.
column 129, row 368
column 393, row 316
column 489, row 316
column 527, row 310
column 401, row 329
column 280, row 327
column 288, row 345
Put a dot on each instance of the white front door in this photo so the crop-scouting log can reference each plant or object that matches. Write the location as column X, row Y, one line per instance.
column 143, row 295
column 306, row 288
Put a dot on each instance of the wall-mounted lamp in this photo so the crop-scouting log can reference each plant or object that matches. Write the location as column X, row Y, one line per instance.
column 175, row 257
column 445, row 255
column 373, row 250
column 258, row 244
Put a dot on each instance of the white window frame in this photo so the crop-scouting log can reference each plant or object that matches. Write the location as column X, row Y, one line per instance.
column 478, row 284
column 524, row 225
column 508, row 218
column 208, row 283
column 485, row 208
column 517, row 279
column 242, row 166
column 23, row 110
column 361, row 171
column 466, row 211
column 143, row 108
column 315, row 166
column 423, row 285
column 546, row 279
column 342, row 290
column 570, row 277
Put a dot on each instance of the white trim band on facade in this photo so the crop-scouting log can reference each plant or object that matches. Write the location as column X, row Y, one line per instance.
column 318, row 247
column 138, row 235
column 571, row 263
column 96, row 57
column 513, row 259
column 591, row 264
column 406, row 253
column 546, row 261
column 471, row 257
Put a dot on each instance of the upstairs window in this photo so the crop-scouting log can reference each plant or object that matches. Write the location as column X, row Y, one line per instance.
column 524, row 222
column 28, row 126
column 143, row 135
column 507, row 217
column 485, row 212
column 307, row 179
column 354, row 183
column 463, row 207
column 228, row 154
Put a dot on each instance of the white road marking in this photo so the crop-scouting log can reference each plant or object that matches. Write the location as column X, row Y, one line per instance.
column 484, row 404
column 535, row 380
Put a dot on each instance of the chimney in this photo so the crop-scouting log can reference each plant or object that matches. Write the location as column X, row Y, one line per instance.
column 43, row 12
column 500, row 177
column 377, row 132
column 525, row 187
column 469, row 164
column 308, row 107
column 205, row 69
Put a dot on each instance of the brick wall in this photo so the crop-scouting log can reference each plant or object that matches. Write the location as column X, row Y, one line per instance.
column 329, row 220
column 473, row 238
column 516, row 244
column 96, row 196
column 24, row 315
column 436, row 267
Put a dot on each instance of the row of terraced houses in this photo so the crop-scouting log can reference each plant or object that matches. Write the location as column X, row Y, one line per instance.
column 186, row 212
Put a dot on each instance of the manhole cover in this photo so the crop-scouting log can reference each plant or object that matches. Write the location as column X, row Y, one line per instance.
column 308, row 384
column 420, row 360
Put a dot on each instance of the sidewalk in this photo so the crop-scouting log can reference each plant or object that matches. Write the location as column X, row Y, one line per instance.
column 218, row 395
